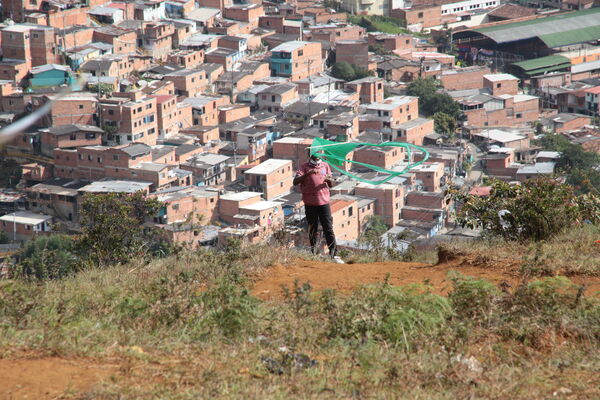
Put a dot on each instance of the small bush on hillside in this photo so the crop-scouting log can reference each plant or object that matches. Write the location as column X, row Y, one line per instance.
column 472, row 298
column 348, row 72
column 48, row 257
column 396, row 315
column 534, row 210
column 113, row 230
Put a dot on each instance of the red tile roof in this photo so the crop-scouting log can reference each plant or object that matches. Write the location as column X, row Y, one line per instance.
column 511, row 11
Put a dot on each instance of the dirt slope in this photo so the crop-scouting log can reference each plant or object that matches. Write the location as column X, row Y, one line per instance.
column 49, row 378
column 346, row 277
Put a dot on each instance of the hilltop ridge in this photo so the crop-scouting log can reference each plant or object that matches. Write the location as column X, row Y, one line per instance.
column 483, row 321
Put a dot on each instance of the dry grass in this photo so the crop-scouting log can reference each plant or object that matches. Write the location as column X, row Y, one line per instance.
column 185, row 327
column 574, row 252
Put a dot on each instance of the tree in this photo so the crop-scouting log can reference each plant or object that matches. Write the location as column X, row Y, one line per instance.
column 430, row 101
column 444, row 124
column 423, row 88
column 370, row 236
column 577, row 163
column 112, row 226
column 4, row 239
column 348, row 72
column 48, row 257
column 343, row 70
column 440, row 102
column 534, row 210
column 379, row 49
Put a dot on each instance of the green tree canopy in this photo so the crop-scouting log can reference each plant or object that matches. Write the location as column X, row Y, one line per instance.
column 348, row 72
column 444, row 124
column 430, row 101
column 578, row 164
column 113, row 227
column 48, row 257
column 535, row 210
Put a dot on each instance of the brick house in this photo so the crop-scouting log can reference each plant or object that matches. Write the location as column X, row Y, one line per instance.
column 158, row 39
column 132, row 117
column 394, row 110
column 230, row 203
column 335, row 33
column 188, row 205
column 399, row 44
column 186, row 58
column 244, row 12
column 463, row 78
column 383, row 157
column 430, row 175
column 56, row 197
column 344, row 127
column 296, row 60
column 233, row 112
column 272, row 177
column 74, row 108
column 421, row 16
column 501, row 84
column 354, row 52
column 208, row 169
column 564, row 122
column 277, row 97
column 188, row 82
column 345, row 218
column 205, row 109
column 292, row 148
column 369, row 89
column 389, row 200
column 24, row 225
column 205, row 134
column 413, row 131
column 68, row 137
column 123, row 40
column 167, row 120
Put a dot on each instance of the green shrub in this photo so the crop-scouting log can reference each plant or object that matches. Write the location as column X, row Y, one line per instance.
column 471, row 299
column 396, row 315
column 48, row 257
column 535, row 210
column 228, row 309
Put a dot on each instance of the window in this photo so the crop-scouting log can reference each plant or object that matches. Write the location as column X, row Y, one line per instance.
column 272, row 98
column 81, row 106
column 111, row 112
column 519, row 115
column 89, row 157
column 90, row 135
column 350, row 211
column 420, row 15
column 73, row 137
column 498, row 85
column 300, row 53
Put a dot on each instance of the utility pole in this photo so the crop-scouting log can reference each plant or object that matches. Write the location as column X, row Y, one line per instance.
column 309, row 61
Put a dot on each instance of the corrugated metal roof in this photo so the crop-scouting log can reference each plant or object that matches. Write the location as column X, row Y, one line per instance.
column 543, row 62
column 572, row 37
column 583, row 67
column 558, row 30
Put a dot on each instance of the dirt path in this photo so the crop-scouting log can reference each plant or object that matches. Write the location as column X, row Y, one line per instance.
column 346, row 277
column 49, row 378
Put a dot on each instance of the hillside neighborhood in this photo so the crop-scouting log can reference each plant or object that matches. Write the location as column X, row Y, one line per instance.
column 209, row 107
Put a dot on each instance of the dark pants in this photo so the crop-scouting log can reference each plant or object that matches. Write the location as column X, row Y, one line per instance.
column 314, row 214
